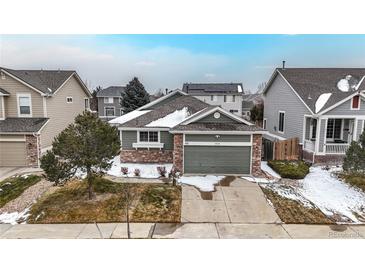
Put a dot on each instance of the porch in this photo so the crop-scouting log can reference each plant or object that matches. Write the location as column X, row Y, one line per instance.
column 328, row 136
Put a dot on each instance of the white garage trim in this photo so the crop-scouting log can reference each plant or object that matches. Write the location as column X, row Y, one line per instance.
column 225, row 144
column 7, row 139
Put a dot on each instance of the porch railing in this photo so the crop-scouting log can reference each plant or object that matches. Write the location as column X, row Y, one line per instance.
column 336, row 148
column 309, row 145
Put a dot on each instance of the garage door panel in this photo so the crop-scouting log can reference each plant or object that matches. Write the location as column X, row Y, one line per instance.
column 217, row 159
column 12, row 154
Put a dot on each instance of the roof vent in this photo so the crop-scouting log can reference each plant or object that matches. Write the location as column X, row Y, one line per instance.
column 284, row 64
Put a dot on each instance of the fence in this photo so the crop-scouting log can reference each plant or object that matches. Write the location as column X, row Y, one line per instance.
column 287, row 149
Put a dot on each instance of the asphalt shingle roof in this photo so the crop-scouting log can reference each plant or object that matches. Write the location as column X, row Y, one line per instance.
column 212, row 88
column 112, row 91
column 310, row 83
column 22, row 124
column 217, row 127
column 47, row 81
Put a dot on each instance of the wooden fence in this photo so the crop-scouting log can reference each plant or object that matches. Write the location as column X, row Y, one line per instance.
column 287, row 149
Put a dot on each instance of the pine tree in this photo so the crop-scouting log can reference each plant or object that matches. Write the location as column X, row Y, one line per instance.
column 134, row 96
column 354, row 161
column 88, row 145
column 94, row 99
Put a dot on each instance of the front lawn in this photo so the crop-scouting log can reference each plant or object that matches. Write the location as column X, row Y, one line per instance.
column 357, row 180
column 13, row 187
column 290, row 169
column 69, row 204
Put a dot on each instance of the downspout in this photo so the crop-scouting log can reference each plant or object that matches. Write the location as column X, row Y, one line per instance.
column 37, row 135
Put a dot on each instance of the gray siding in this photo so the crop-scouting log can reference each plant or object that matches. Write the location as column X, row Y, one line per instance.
column 212, row 138
column 217, row 160
column 345, row 109
column 360, row 128
column 177, row 95
column 228, row 105
column 210, row 119
column 102, row 105
column 322, row 135
column 130, row 137
column 281, row 97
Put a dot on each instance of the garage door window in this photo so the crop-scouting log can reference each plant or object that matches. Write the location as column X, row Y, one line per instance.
column 24, row 102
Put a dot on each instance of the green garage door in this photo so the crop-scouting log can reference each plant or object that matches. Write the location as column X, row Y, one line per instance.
column 217, row 159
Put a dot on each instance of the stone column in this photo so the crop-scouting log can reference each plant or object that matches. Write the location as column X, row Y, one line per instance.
column 178, row 152
column 32, row 150
column 256, row 155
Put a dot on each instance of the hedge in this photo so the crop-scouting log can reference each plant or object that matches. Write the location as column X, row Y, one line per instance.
column 290, row 169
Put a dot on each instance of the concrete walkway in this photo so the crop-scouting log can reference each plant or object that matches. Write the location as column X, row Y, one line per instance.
column 181, row 231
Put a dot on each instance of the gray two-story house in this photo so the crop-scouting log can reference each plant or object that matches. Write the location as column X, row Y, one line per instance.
column 35, row 106
column 323, row 107
column 109, row 100
column 226, row 95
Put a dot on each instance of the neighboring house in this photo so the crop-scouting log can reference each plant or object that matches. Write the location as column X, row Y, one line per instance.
column 226, row 95
column 196, row 137
column 248, row 102
column 323, row 107
column 35, row 106
column 109, row 100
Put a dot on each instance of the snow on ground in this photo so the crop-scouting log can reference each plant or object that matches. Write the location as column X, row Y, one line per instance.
column 321, row 101
column 258, row 180
column 265, row 167
column 14, row 217
column 127, row 117
column 171, row 119
column 147, row 170
column 204, row 183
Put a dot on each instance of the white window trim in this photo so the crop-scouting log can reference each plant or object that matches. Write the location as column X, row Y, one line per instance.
column 214, row 98
column 30, row 104
column 109, row 98
column 69, row 97
column 88, row 103
column 311, row 130
column 352, row 99
column 105, row 111
column 281, row 111
column 264, row 123
column 148, row 145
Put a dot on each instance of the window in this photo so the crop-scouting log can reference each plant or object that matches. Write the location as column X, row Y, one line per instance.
column 264, row 123
column 24, row 102
column 334, row 129
column 313, row 129
column 109, row 111
column 225, row 98
column 281, row 121
column 69, row 100
column 233, row 98
column 355, row 103
column 108, row 100
column 148, row 136
column 214, row 98
column 87, row 104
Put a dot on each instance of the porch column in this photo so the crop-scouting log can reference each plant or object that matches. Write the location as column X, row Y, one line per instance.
column 321, row 136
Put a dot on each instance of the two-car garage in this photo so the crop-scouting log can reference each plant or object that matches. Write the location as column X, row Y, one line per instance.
column 217, row 154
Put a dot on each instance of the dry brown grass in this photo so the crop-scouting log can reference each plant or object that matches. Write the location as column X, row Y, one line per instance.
column 292, row 212
column 357, row 180
column 69, row 204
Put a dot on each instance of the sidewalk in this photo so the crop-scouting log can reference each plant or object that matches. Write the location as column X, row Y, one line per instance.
column 181, row 231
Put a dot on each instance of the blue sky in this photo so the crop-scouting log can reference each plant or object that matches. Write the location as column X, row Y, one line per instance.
column 167, row 61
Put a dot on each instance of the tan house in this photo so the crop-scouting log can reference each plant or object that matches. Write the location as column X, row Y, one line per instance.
column 35, row 106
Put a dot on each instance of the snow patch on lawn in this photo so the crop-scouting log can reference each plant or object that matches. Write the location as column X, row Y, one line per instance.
column 147, row 170
column 258, row 180
column 321, row 101
column 265, row 167
column 171, row 119
column 14, row 217
column 204, row 183
column 128, row 116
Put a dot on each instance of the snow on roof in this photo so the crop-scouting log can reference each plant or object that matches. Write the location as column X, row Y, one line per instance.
column 239, row 88
column 347, row 84
column 127, row 117
column 322, row 100
column 171, row 119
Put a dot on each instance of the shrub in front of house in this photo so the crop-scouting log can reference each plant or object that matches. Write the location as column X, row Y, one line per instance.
column 354, row 162
column 290, row 169
column 137, row 172
column 162, row 171
column 124, row 170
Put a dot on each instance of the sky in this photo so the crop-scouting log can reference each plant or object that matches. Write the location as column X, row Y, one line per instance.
column 168, row 61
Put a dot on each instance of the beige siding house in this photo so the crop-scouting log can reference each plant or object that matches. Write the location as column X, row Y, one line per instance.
column 35, row 106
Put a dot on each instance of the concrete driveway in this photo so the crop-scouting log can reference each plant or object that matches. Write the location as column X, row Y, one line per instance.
column 6, row 172
column 241, row 202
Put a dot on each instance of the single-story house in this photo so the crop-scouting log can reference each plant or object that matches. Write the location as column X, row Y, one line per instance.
column 196, row 137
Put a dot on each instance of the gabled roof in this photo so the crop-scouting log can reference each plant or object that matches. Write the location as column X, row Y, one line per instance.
column 112, row 91
column 25, row 125
column 310, row 83
column 213, row 88
column 47, row 82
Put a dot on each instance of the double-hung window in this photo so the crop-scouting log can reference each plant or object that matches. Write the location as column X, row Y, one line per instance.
column 87, row 103
column 148, row 136
column 109, row 111
column 24, row 105
column 281, row 121
column 108, row 100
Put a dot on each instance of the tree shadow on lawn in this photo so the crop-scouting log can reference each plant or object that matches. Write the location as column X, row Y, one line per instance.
column 70, row 204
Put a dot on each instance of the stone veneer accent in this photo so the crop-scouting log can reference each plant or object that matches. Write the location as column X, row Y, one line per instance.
column 256, row 155
column 329, row 159
column 146, row 156
column 32, row 149
column 178, row 154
